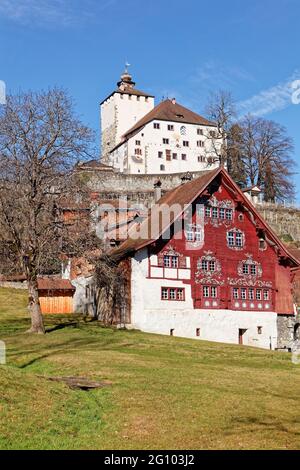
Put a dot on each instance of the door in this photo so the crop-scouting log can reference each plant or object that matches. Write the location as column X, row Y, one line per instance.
column 241, row 336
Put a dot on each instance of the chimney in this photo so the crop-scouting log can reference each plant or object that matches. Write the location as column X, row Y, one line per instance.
column 157, row 191
column 174, row 100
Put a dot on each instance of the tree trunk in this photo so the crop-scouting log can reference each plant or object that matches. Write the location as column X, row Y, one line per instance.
column 37, row 324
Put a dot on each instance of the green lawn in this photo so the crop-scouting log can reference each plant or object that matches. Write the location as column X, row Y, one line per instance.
column 165, row 393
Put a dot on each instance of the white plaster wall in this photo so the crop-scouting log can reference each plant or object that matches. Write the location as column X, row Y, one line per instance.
column 79, row 299
column 123, row 112
column 151, row 314
column 152, row 143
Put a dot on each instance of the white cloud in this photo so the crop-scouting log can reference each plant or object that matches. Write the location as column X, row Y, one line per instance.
column 271, row 100
column 57, row 12
column 214, row 75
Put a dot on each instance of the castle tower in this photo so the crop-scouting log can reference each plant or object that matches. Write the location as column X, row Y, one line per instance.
column 121, row 110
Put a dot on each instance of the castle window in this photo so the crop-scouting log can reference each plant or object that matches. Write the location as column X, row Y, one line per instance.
column 137, row 142
column 156, row 125
column 198, row 332
column 200, row 143
column 212, row 133
column 207, row 211
column 214, row 292
column 253, row 269
column 229, row 214
column 173, row 293
column 204, row 265
column 259, row 330
column 222, row 213
column 266, row 295
column 170, row 127
column 160, row 154
column 258, row 294
column 210, row 292
column 166, row 141
column 162, row 168
column 170, row 261
column 174, row 156
column 186, row 143
column 194, row 233
column 251, row 294
column 183, row 130
column 168, row 155
column 235, row 239
column 199, row 131
column 138, row 151
column 212, row 266
column 183, row 156
column 235, row 293
column 215, row 213
column 245, row 268
column 243, row 293
column 206, row 292
column 164, row 293
column 201, row 159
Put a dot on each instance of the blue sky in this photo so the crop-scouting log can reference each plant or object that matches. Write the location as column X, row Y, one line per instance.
column 177, row 48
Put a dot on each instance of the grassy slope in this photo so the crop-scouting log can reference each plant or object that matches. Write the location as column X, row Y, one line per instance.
column 166, row 392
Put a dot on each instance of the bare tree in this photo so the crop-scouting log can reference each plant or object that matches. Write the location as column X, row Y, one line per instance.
column 40, row 141
column 221, row 110
column 265, row 152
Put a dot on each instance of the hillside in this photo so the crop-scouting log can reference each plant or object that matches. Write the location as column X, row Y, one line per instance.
column 162, row 393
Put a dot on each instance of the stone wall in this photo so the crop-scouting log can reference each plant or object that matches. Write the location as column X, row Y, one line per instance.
column 285, row 221
column 139, row 189
column 285, row 327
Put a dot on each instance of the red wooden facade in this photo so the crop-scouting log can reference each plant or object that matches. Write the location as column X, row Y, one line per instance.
column 236, row 262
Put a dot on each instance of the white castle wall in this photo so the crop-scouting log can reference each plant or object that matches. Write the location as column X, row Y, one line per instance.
column 151, row 140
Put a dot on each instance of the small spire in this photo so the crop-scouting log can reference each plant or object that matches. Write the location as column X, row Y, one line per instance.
column 126, row 78
column 126, row 67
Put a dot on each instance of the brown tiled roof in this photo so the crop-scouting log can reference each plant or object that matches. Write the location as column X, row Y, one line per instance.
column 183, row 196
column 49, row 283
column 169, row 111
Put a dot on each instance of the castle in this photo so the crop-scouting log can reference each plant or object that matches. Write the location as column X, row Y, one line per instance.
column 141, row 138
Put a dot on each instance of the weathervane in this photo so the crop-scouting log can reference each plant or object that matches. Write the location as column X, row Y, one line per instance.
column 126, row 66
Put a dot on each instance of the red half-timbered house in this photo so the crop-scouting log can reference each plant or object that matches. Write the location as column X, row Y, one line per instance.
column 205, row 265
